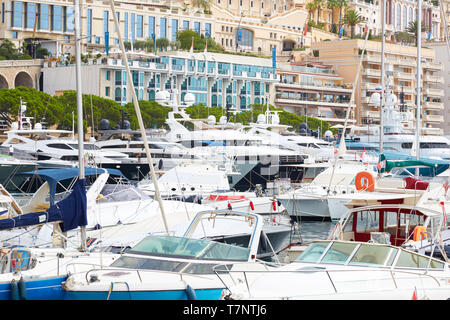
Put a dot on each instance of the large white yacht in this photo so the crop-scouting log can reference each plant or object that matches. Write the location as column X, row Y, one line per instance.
column 54, row 148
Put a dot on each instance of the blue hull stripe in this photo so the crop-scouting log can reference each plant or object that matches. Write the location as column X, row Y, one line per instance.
column 40, row 289
column 205, row 294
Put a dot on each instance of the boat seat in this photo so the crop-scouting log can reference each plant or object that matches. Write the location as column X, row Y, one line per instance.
column 415, row 184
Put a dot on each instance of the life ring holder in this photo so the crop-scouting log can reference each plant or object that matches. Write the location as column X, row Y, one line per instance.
column 364, row 181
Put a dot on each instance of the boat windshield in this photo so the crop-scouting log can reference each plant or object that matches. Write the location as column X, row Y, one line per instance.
column 197, row 249
column 121, row 192
column 365, row 254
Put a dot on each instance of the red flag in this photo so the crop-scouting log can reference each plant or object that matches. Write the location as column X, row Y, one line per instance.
column 366, row 29
column 414, row 296
column 305, row 29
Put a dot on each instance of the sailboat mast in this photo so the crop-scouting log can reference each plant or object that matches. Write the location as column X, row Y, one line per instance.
column 383, row 75
column 418, row 78
column 81, row 174
column 139, row 117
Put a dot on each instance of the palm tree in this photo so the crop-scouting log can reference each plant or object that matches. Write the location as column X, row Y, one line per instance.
column 412, row 28
column 352, row 18
column 205, row 4
column 311, row 6
column 341, row 4
column 319, row 4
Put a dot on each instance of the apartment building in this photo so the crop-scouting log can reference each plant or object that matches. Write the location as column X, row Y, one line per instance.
column 314, row 89
column 344, row 56
column 215, row 79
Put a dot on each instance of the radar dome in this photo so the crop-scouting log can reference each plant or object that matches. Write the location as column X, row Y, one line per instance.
column 328, row 134
column 38, row 126
column 303, row 126
column 14, row 126
column 162, row 96
column 275, row 119
column 189, row 99
column 391, row 99
column 223, row 120
column 125, row 124
column 211, row 120
column 104, row 124
column 261, row 118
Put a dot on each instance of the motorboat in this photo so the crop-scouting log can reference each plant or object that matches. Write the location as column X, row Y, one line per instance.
column 170, row 267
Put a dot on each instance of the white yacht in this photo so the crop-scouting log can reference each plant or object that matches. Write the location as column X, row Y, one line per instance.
column 257, row 161
column 54, row 148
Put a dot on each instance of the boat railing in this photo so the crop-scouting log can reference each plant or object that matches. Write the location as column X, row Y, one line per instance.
column 252, row 276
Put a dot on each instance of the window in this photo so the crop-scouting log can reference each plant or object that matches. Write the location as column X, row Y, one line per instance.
column 411, row 260
column 338, row 252
column 105, row 21
column 208, row 30
column 174, row 29
column 107, row 91
column 89, row 25
column 70, row 19
column 133, row 27
column 107, row 75
column 374, row 255
column 151, row 26
column 313, row 252
column 57, row 17
column 17, row 14
column 3, row 12
column 186, row 25
column 31, row 14
column 197, row 27
column 126, row 26
column 140, row 26
column 118, row 21
column 163, row 28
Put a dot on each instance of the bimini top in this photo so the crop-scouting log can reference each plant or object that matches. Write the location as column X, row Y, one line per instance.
column 53, row 176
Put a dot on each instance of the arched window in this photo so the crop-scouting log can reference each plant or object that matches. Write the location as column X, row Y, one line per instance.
column 404, row 18
column 151, row 95
column 410, row 16
column 214, row 100
column 398, row 17
column 117, row 94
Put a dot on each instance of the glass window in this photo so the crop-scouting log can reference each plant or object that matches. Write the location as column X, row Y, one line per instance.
column 107, row 75
column 151, row 26
column 374, row 255
column 70, row 19
column 197, row 27
column 208, row 30
column 3, row 12
column 31, row 14
column 174, row 29
column 107, row 91
column 185, row 25
column 367, row 221
column 140, row 26
column 163, row 28
column 89, row 25
column 411, row 260
column 118, row 21
column 57, row 18
column 17, row 14
column 133, row 27
column 339, row 252
column 313, row 252
column 105, row 21
column 126, row 26
column 244, row 38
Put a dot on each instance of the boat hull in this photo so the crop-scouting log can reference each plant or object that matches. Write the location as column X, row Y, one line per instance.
column 40, row 289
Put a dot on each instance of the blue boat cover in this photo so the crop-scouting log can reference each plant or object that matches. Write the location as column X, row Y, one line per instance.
column 53, row 176
column 71, row 211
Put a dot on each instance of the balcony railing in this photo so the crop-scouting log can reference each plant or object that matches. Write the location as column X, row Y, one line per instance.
column 433, row 118
column 434, row 79
column 433, row 92
column 433, row 105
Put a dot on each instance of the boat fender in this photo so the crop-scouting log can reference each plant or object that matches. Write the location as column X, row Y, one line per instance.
column 364, row 181
column 251, row 205
column 190, row 293
column 160, row 164
column 419, row 233
column 22, row 286
column 274, row 205
column 229, row 206
column 14, row 290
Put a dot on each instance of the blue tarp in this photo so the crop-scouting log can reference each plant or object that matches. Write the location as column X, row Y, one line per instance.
column 72, row 211
column 53, row 176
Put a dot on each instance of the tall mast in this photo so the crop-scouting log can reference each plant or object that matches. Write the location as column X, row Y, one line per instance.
column 383, row 74
column 418, row 78
column 139, row 117
column 79, row 109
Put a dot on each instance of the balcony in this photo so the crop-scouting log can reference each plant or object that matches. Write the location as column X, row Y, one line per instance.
column 405, row 62
column 371, row 73
column 433, row 105
column 318, row 87
column 284, row 100
column 433, row 92
column 372, row 58
column 432, row 131
column 372, row 114
column 404, row 75
column 434, row 79
column 405, row 89
column 437, row 66
column 433, row 118
column 371, row 86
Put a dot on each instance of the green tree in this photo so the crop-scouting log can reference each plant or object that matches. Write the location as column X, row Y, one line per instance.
column 352, row 18
column 162, row 43
column 202, row 4
column 311, row 7
column 413, row 28
column 319, row 5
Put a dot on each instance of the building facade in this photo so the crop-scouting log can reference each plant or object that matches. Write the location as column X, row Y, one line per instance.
column 345, row 55
column 313, row 89
column 215, row 79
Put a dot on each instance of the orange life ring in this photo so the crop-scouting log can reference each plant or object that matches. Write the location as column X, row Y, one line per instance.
column 364, row 181
column 419, row 233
